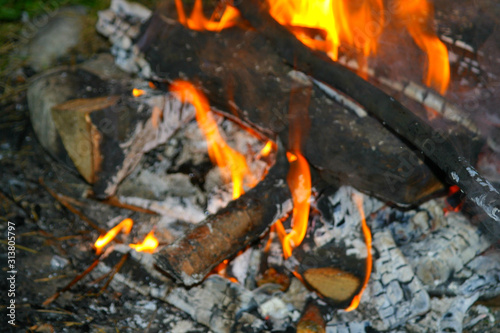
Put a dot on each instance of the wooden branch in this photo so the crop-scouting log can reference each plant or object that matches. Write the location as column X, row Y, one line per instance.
column 230, row 230
column 392, row 114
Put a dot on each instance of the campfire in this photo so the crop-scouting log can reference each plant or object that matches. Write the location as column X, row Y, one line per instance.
column 304, row 165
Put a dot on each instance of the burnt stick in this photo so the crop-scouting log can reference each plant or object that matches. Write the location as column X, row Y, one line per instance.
column 230, row 230
column 386, row 109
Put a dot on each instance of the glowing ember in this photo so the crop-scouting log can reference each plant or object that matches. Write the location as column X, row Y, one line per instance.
column 124, row 226
column 137, row 92
column 149, row 244
column 231, row 162
column 339, row 20
column 358, row 199
column 197, row 21
column 417, row 15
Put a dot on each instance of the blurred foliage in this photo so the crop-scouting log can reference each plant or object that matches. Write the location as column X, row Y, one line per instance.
column 12, row 10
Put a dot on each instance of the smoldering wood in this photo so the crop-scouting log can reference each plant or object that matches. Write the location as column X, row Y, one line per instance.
column 222, row 235
column 249, row 82
column 97, row 127
column 432, row 144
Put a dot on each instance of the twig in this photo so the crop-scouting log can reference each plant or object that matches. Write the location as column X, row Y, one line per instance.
column 114, row 201
column 72, row 283
column 72, row 209
column 20, row 247
column 116, row 269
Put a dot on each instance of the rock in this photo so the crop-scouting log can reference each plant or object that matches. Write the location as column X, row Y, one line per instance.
column 54, row 39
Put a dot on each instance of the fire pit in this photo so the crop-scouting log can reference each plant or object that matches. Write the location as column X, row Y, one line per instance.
column 251, row 169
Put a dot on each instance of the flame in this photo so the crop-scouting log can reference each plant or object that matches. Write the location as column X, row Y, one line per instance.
column 137, row 92
column 299, row 182
column 230, row 161
column 338, row 20
column 124, row 226
column 267, row 149
column 198, row 21
column 417, row 16
column 358, row 199
column 149, row 244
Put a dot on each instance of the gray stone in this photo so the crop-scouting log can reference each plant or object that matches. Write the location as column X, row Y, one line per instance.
column 55, row 38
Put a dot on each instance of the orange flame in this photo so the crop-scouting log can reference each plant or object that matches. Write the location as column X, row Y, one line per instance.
column 149, row 244
column 417, row 15
column 267, row 149
column 137, row 92
column 124, row 226
column 197, row 21
column 230, row 161
column 299, row 182
column 339, row 20
column 358, row 199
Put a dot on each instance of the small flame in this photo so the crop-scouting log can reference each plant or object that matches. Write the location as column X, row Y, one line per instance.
column 124, row 226
column 230, row 161
column 149, row 244
column 338, row 20
column 417, row 16
column 137, row 92
column 267, row 149
column 198, row 21
column 299, row 182
column 358, row 199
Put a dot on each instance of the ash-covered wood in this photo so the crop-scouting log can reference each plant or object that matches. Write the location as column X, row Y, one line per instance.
column 390, row 112
column 230, row 230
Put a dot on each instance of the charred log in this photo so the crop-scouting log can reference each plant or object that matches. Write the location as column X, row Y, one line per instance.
column 430, row 143
column 230, row 230
column 250, row 83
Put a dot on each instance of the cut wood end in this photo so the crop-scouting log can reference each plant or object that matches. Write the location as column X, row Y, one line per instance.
column 79, row 136
column 332, row 283
column 311, row 321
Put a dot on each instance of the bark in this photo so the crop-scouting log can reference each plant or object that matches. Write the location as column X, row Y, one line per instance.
column 230, row 230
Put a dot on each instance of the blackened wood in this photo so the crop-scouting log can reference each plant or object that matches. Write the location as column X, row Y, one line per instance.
column 242, row 76
column 389, row 111
column 230, row 230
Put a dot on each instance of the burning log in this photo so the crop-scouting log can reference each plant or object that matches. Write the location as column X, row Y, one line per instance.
column 250, row 84
column 430, row 143
column 230, row 230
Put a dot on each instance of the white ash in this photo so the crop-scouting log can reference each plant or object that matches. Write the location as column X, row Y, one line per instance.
column 121, row 24
column 479, row 276
column 446, row 250
column 175, row 207
column 215, row 303
column 341, row 220
column 352, row 327
column 241, row 265
column 394, row 291
column 446, row 315
column 148, row 185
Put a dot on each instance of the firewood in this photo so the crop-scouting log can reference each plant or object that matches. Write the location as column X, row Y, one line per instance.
column 312, row 320
column 78, row 135
column 431, row 144
column 333, row 283
column 230, row 230
column 250, row 83
column 105, row 131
